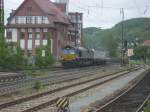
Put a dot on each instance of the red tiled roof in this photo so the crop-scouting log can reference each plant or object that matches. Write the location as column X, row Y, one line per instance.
column 49, row 8
column 147, row 42
column 52, row 11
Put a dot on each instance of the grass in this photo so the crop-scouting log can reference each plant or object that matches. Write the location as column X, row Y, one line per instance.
column 136, row 62
column 36, row 73
column 147, row 108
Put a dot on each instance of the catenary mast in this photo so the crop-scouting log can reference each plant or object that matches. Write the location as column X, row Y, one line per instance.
column 1, row 18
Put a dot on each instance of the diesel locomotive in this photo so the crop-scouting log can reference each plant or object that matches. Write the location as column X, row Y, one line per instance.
column 80, row 56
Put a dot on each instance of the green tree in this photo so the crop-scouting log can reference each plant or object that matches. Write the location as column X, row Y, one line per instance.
column 142, row 52
column 4, row 53
column 109, row 43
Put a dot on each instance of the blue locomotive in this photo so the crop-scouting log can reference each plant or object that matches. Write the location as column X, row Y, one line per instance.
column 80, row 56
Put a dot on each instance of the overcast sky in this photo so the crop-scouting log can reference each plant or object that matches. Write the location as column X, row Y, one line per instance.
column 99, row 13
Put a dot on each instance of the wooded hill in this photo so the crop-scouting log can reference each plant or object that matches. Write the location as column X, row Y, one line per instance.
column 106, row 39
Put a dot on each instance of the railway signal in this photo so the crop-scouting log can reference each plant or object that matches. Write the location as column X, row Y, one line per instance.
column 62, row 104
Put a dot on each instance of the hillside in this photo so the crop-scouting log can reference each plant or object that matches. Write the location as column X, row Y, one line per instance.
column 109, row 39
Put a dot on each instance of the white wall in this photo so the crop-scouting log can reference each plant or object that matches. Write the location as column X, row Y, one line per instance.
column 14, row 35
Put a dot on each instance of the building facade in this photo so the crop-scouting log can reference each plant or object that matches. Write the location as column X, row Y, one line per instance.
column 146, row 43
column 77, row 23
column 35, row 23
column 39, row 23
column 75, row 31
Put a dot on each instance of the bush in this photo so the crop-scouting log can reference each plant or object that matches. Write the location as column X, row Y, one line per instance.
column 43, row 61
column 37, row 85
column 10, row 57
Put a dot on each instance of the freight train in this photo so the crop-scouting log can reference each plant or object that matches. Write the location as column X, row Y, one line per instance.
column 80, row 56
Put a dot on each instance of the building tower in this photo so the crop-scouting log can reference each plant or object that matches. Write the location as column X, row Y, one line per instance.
column 64, row 2
column 1, row 18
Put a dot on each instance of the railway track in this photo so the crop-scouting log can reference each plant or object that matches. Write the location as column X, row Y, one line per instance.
column 13, row 76
column 56, row 77
column 6, row 77
column 132, row 100
column 141, row 108
column 97, row 81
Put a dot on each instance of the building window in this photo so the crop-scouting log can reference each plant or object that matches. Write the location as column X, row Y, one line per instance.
column 22, row 30
column 9, row 30
column 29, row 19
column 45, row 36
column 79, row 17
column 9, row 35
column 37, row 43
column 29, row 30
column 45, row 30
column 21, row 20
column 37, row 29
column 38, row 20
column 16, row 19
column 30, row 36
column 45, row 20
column 33, row 20
column 37, row 36
column 22, row 35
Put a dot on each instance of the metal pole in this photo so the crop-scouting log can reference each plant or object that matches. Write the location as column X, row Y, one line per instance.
column 122, row 39
column 1, row 18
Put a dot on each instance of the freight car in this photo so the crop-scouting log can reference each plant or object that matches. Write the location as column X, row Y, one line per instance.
column 80, row 56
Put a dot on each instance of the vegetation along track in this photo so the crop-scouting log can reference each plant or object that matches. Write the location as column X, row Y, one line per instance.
column 111, row 77
column 131, row 100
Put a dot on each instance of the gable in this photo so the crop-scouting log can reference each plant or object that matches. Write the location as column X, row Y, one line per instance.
column 29, row 7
